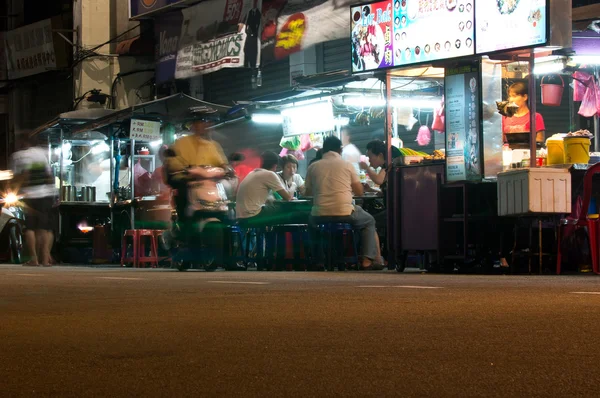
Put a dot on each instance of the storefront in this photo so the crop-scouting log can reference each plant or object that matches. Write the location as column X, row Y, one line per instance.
column 487, row 51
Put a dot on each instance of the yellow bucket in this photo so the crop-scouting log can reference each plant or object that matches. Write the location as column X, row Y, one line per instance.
column 577, row 150
column 556, row 151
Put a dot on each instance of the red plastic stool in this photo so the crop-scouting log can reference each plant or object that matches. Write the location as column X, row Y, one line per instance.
column 139, row 248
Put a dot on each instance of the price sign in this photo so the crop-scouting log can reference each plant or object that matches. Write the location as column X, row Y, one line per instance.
column 144, row 130
column 233, row 11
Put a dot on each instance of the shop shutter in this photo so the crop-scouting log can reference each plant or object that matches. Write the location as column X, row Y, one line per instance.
column 557, row 119
column 234, row 84
column 336, row 55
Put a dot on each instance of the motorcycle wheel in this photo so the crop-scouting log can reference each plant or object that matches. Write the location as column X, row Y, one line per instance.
column 15, row 239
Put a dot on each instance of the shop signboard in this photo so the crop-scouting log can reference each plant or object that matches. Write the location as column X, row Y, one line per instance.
column 144, row 130
column 510, row 24
column 167, row 28
column 304, row 23
column 30, row 49
column 408, row 32
column 213, row 36
column 138, row 8
column 462, row 91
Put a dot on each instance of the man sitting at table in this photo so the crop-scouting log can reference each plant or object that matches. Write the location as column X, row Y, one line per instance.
column 253, row 192
column 332, row 181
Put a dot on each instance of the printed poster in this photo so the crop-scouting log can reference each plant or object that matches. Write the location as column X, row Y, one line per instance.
column 506, row 24
column 463, row 131
column 371, row 36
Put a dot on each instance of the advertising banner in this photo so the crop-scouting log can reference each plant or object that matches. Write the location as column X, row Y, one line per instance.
column 503, row 25
column 144, row 130
column 420, row 31
column 372, row 36
column 304, row 23
column 167, row 28
column 463, row 126
column 141, row 7
column 30, row 49
column 218, row 34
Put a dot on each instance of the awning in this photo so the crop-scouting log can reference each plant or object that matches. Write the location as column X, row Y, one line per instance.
column 175, row 107
column 137, row 46
column 68, row 119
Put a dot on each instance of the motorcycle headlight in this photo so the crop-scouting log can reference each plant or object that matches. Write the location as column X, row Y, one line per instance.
column 10, row 199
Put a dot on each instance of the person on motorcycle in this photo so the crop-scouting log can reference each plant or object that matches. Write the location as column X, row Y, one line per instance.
column 193, row 166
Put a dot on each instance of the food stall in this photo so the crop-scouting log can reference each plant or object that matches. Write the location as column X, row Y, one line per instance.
column 484, row 48
column 79, row 207
column 135, row 136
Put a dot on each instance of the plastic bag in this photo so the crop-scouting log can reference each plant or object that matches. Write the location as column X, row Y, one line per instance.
column 292, row 143
column 423, row 136
column 581, row 81
column 316, row 140
column 305, row 143
column 439, row 120
column 589, row 103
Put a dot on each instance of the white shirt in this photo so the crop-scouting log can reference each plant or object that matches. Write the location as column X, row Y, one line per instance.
column 296, row 183
column 27, row 160
column 254, row 190
column 330, row 181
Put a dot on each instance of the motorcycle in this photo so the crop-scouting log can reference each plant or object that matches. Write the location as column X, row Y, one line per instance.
column 196, row 239
column 12, row 222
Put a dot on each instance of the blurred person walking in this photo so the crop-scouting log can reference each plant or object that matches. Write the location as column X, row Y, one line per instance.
column 33, row 176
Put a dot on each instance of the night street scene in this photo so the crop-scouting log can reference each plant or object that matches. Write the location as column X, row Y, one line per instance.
column 299, row 198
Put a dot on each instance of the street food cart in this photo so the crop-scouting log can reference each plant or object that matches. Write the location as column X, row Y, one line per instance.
column 79, row 205
column 134, row 138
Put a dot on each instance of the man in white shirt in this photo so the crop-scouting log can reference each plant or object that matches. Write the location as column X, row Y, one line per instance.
column 255, row 189
column 332, row 181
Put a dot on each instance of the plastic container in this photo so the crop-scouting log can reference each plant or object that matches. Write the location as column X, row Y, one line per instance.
column 537, row 190
column 556, row 151
column 577, row 150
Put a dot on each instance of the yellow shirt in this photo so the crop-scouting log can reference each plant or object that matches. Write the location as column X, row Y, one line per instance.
column 192, row 151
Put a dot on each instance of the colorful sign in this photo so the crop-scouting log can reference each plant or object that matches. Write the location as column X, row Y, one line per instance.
column 419, row 31
column 371, row 36
column 30, row 49
column 463, row 126
column 507, row 24
column 218, row 34
column 138, row 8
column 144, row 130
column 304, row 23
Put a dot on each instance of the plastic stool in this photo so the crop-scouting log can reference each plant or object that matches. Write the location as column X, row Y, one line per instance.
column 139, row 248
column 334, row 235
column 284, row 248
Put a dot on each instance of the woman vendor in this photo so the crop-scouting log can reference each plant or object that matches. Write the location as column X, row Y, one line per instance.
column 520, row 122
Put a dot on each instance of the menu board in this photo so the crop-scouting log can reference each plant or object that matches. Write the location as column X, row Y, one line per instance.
column 507, row 24
column 406, row 32
column 463, row 142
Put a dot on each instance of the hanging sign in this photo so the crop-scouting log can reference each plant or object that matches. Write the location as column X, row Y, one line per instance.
column 144, row 130
column 30, row 49
column 218, row 34
column 463, row 126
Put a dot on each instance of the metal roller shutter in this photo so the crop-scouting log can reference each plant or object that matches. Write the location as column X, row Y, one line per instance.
column 336, row 55
column 234, row 84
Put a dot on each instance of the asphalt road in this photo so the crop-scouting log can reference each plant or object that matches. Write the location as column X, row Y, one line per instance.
column 79, row 332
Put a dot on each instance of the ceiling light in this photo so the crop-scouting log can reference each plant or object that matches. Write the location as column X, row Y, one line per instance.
column 267, row 118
